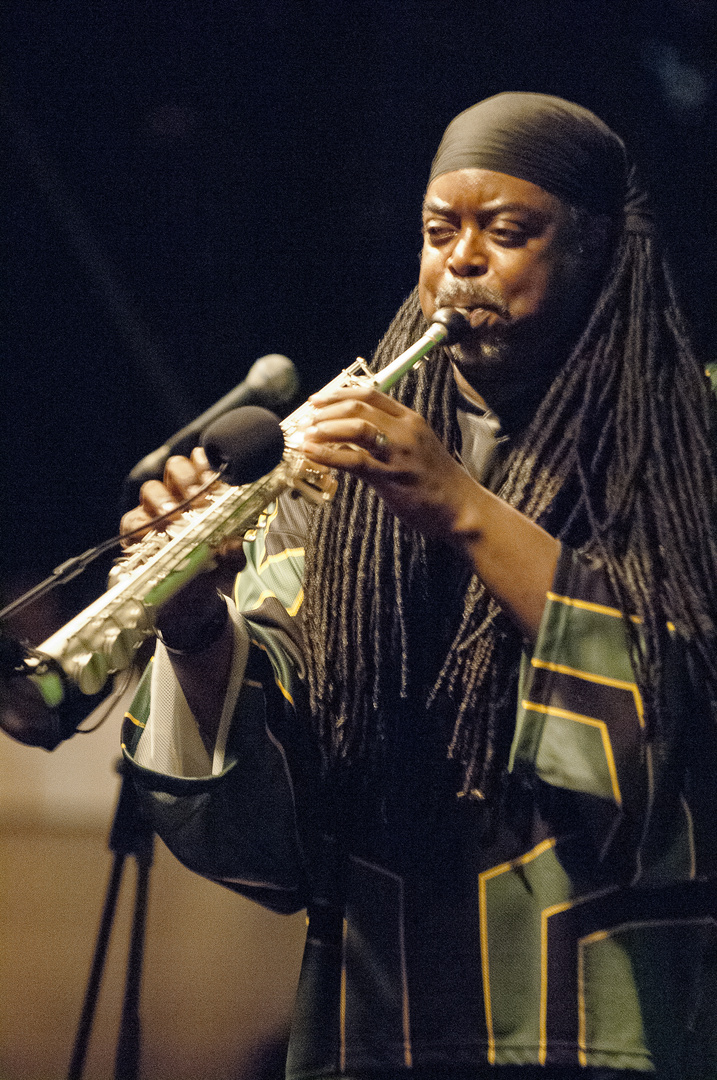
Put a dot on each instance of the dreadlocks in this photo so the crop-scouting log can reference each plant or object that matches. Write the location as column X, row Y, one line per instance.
column 618, row 461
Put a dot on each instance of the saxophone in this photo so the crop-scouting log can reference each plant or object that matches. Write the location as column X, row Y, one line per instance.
column 103, row 639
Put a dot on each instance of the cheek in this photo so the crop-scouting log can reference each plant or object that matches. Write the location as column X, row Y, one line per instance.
column 428, row 280
column 527, row 283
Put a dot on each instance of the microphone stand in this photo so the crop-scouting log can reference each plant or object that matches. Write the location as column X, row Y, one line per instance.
column 131, row 834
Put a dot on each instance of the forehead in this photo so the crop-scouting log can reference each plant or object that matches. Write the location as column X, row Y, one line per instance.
column 475, row 190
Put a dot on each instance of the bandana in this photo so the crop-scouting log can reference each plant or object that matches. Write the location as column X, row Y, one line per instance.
column 563, row 148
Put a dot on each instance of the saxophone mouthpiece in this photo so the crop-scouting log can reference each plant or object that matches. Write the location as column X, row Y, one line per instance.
column 454, row 322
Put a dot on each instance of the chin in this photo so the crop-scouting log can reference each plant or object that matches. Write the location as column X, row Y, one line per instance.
column 481, row 356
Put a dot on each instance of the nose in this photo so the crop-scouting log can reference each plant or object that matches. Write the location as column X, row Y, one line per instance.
column 468, row 256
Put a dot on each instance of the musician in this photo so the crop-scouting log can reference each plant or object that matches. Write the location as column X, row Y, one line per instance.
column 464, row 713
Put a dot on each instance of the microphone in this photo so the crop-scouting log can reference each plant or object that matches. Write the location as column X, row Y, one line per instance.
column 248, row 441
column 272, row 382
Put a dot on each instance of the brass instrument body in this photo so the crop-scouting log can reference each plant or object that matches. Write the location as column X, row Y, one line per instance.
column 103, row 638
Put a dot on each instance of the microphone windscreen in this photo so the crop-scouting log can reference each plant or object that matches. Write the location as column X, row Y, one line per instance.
column 249, row 441
column 274, row 379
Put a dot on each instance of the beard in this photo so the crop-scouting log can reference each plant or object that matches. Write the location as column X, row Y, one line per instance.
column 490, row 345
column 510, row 363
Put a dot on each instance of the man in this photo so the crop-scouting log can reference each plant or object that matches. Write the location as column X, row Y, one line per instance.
column 501, row 879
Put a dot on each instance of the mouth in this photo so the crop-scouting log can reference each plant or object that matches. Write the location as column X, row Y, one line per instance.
column 480, row 316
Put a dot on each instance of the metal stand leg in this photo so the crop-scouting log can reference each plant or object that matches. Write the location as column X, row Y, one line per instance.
column 130, row 835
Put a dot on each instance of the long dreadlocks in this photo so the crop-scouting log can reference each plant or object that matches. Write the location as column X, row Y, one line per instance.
column 618, row 461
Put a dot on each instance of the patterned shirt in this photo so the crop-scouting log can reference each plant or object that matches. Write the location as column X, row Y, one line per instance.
column 574, row 925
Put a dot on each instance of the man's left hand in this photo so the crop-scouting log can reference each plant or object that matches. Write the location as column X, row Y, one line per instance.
column 361, row 431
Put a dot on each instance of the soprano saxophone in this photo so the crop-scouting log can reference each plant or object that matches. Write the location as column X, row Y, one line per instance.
column 103, row 639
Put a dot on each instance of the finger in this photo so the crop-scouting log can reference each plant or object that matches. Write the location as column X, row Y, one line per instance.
column 350, row 457
column 161, row 500
column 199, row 460
column 342, row 456
column 156, row 503
column 134, row 525
column 182, row 478
column 367, row 435
column 368, row 395
column 354, row 421
column 156, row 498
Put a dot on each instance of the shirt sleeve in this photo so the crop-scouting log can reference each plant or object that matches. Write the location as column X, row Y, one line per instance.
column 581, row 734
column 170, row 742
column 234, row 818
column 270, row 590
column 580, row 713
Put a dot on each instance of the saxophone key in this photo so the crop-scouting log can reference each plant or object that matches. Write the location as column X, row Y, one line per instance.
column 86, row 668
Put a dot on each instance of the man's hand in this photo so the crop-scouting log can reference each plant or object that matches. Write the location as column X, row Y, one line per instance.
column 183, row 478
column 192, row 613
column 363, row 432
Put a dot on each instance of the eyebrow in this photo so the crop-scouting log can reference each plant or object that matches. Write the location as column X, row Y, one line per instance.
column 434, row 205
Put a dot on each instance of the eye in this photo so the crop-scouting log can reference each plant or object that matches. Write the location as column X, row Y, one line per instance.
column 509, row 235
column 438, row 232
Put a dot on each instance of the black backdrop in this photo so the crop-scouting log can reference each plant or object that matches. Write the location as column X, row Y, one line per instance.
column 192, row 185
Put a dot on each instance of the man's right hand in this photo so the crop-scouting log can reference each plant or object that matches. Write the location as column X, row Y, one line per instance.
column 183, row 478
column 192, row 612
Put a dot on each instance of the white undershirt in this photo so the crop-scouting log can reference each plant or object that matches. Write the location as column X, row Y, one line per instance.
column 170, row 743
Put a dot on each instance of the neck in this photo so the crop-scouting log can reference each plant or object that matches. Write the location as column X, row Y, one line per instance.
column 514, row 387
column 467, row 390
column 514, row 406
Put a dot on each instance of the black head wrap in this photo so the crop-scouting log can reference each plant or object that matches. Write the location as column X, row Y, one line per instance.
column 563, row 148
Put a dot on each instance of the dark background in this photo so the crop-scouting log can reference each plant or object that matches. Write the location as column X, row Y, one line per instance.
column 193, row 185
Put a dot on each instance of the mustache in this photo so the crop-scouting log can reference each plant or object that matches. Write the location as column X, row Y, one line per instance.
column 463, row 294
